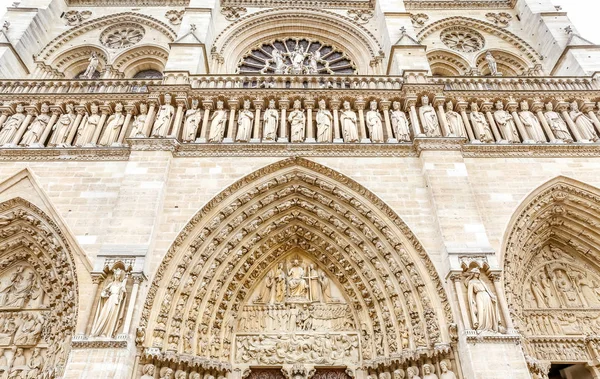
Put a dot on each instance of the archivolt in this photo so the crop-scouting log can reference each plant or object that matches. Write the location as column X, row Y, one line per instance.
column 146, row 57
column 508, row 64
column 296, row 204
column 445, row 63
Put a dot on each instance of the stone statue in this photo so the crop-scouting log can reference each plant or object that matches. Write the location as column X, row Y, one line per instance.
column 429, row 120
column 566, row 290
column 482, row 304
column 217, row 123
column 88, row 126
column 91, row 68
column 557, row 124
column 148, row 371
column 480, row 125
column 280, row 284
column 506, row 123
column 584, row 125
column 325, row 284
column 429, row 371
column 19, row 365
column 324, row 123
column 445, row 372
column 296, row 281
column 270, row 123
column 113, row 126
column 21, row 288
column 399, row 374
column 589, row 289
column 3, row 362
column 36, row 128
column 267, row 293
column 349, row 124
column 279, row 63
column 11, row 125
column 244, row 123
column 313, row 59
column 412, row 373
column 166, row 373
column 137, row 128
column 531, row 123
column 180, row 374
column 492, row 64
column 62, row 126
column 400, row 123
column 314, row 285
column 375, row 123
column 297, row 56
column 163, row 120
column 193, row 117
column 455, row 122
column 110, row 309
column 297, row 121
column 30, row 329
column 35, row 365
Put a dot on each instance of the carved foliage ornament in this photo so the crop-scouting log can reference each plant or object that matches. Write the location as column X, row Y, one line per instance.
column 419, row 19
column 501, row 19
column 122, row 35
column 74, row 18
column 233, row 13
column 462, row 39
column 361, row 16
column 174, row 16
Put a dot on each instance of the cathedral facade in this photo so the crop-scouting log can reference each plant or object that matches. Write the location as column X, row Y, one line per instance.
column 318, row 189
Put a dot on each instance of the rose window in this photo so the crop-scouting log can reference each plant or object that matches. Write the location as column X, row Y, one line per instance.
column 122, row 35
column 296, row 57
column 463, row 39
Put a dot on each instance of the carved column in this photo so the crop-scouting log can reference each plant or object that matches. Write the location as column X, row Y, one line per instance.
column 310, row 133
column 512, row 107
column 55, row 114
column 207, row 104
column 537, row 107
column 258, row 104
column 486, row 107
column 462, row 109
column 335, row 106
column 360, row 106
column 150, row 117
column 129, row 108
column 589, row 109
column 233, row 104
column 496, row 278
column 563, row 107
column 438, row 101
column 137, row 279
column 85, row 316
column 458, row 286
column 410, row 107
column 80, row 109
column 31, row 112
column 105, row 110
column 385, row 108
column 181, row 103
column 283, row 105
column 5, row 113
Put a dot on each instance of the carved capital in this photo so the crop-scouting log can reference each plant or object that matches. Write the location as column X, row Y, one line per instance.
column 439, row 100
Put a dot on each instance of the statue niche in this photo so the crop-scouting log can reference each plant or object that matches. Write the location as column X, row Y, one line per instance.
column 296, row 313
column 110, row 311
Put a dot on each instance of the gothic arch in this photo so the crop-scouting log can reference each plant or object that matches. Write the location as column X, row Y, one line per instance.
column 446, row 63
column 552, row 271
column 74, row 61
column 328, row 27
column 146, row 57
column 509, row 64
column 292, row 207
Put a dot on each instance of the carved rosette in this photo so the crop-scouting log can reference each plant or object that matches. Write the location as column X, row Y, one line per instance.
column 122, row 35
column 462, row 39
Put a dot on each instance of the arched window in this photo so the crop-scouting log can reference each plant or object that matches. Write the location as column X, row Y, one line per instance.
column 148, row 74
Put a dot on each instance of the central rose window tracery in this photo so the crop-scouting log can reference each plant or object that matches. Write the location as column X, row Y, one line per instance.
column 463, row 39
column 122, row 35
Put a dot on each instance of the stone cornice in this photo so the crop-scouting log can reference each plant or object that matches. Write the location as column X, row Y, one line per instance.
column 466, row 4
column 65, row 154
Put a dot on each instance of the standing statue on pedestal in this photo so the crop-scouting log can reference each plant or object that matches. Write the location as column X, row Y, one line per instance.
column 324, row 123
column 583, row 123
column 557, row 124
column 297, row 56
column 88, row 127
column 113, row 126
column 375, row 123
column 506, row 123
column 91, row 68
column 455, row 122
column 431, row 125
column 412, row 372
column 245, row 119
column 429, row 371
column 531, row 123
column 483, row 304
column 36, row 128
column 349, row 127
column 162, row 124
column 400, row 123
column 297, row 121
column 193, row 117
column 109, row 313
column 492, row 64
column 11, row 125
column 279, row 63
column 62, row 126
column 481, row 127
column 217, row 123
column 445, row 372
column 313, row 59
column 137, row 129
column 271, row 122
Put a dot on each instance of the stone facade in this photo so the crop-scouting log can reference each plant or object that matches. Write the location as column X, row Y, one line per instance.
column 326, row 189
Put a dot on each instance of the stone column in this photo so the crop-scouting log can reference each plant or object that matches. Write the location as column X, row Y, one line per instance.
column 438, row 102
column 137, row 279
column 496, row 278
column 512, row 108
column 56, row 111
column 129, row 108
column 31, row 112
column 464, row 312
column 5, row 113
column 335, row 106
column 84, row 323
column 385, row 108
column 360, row 107
column 284, row 104
column 181, row 103
column 150, row 117
column 233, row 104
column 537, row 107
column 310, row 133
column 81, row 111
column 258, row 104
column 105, row 109
column 563, row 108
column 207, row 105
column 589, row 109
column 462, row 109
column 410, row 107
column 486, row 107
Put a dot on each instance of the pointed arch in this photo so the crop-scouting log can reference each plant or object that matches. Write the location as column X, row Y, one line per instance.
column 296, row 205
column 447, row 63
column 509, row 64
column 145, row 57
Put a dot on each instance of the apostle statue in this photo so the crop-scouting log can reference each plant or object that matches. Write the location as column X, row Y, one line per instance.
column 244, row 123
column 400, row 123
column 164, row 117
column 483, row 304
column 531, row 123
column 137, row 128
column 412, row 372
column 324, row 123
column 557, row 124
column 297, row 121
column 148, row 371
column 11, row 125
column 296, row 281
column 455, row 122
column 91, row 68
column 19, row 365
column 429, row 120
column 270, row 123
column 506, row 123
column 110, row 309
column 36, row 128
column 375, row 123
column 429, row 371
column 62, row 126
column 349, row 124
column 217, row 123
column 492, row 64
column 584, row 124
column 88, row 126
column 193, row 116
column 481, row 127
column 445, row 372
column 113, row 126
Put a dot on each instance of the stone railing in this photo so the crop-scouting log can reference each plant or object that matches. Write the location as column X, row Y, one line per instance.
column 76, row 86
column 486, row 83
